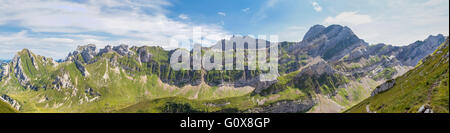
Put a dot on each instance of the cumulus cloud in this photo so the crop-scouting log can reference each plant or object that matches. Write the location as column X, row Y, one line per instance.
column 246, row 10
column 108, row 22
column 222, row 13
column 183, row 16
column 349, row 18
column 316, row 7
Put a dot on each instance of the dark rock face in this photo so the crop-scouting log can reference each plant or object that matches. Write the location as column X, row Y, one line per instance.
column 383, row 87
column 413, row 53
column 10, row 101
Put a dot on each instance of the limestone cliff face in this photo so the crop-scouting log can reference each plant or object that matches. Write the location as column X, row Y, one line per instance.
column 19, row 71
column 4, row 71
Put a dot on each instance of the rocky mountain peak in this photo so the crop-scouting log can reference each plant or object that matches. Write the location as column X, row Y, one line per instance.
column 88, row 52
column 332, row 31
column 107, row 49
column 413, row 53
column 331, row 43
column 121, row 49
column 313, row 31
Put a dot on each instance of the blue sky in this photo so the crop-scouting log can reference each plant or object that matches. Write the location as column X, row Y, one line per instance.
column 53, row 28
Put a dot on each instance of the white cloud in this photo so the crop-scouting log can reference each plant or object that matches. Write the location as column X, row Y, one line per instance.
column 404, row 22
column 316, row 7
column 222, row 13
column 183, row 16
column 115, row 20
column 10, row 44
column 349, row 18
column 246, row 10
column 434, row 2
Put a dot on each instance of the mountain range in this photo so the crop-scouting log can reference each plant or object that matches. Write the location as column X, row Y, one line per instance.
column 330, row 70
column 423, row 89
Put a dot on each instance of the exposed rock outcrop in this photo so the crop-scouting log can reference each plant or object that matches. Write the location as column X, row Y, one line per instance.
column 413, row 53
column 19, row 72
column 425, row 109
column 296, row 106
column 91, row 92
column 383, row 87
column 144, row 55
column 331, row 43
column 10, row 101
column 81, row 68
column 88, row 52
column 107, row 49
column 4, row 71
column 313, row 32
column 122, row 49
column 322, row 67
column 62, row 82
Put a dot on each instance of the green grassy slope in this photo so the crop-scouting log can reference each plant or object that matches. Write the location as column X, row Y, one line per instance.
column 5, row 108
column 114, row 85
column 427, row 84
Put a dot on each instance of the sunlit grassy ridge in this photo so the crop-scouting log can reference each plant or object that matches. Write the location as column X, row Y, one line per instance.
column 114, row 82
column 428, row 83
column 6, row 108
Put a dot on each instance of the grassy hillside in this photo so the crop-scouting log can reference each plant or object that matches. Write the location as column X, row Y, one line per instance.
column 5, row 108
column 427, row 84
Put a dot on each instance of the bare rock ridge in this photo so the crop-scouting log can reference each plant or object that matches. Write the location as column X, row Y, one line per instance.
column 413, row 53
column 81, row 68
column 331, row 43
column 88, row 52
column 335, row 41
column 19, row 72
